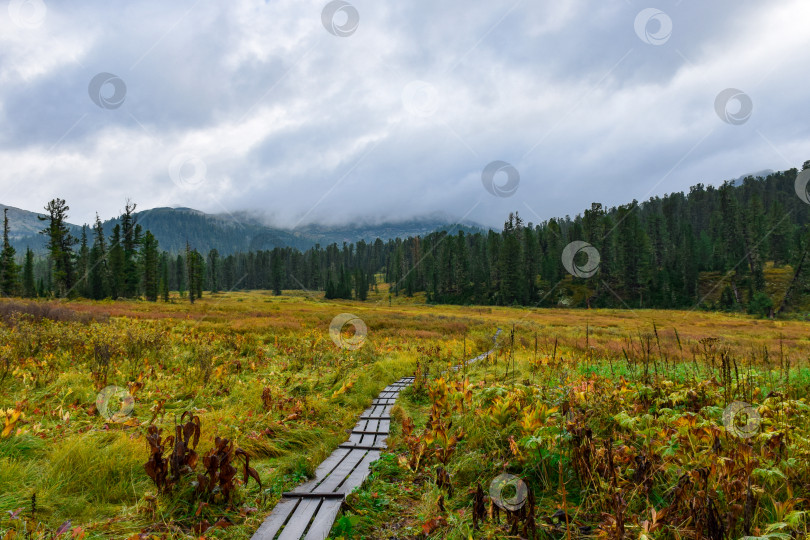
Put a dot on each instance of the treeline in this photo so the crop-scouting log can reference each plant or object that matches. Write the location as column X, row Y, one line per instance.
column 651, row 254
column 130, row 264
column 127, row 264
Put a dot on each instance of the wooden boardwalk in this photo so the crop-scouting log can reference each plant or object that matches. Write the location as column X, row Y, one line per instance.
column 310, row 509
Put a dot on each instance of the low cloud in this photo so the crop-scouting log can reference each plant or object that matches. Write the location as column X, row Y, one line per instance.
column 398, row 119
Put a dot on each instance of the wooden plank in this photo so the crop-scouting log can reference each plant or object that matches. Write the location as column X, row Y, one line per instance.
column 341, row 472
column 323, row 470
column 360, row 473
column 312, row 495
column 379, row 409
column 274, row 522
column 352, row 446
column 382, row 433
column 367, row 412
column 366, row 440
column 322, row 524
column 373, row 430
column 300, row 520
column 361, row 425
column 344, row 470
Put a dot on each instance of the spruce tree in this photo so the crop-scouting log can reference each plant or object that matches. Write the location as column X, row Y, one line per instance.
column 116, row 260
column 60, row 247
column 180, row 267
column 512, row 284
column 329, row 291
column 195, row 266
column 9, row 270
column 213, row 270
column 164, row 276
column 29, row 287
column 199, row 272
column 192, row 280
column 130, row 239
column 277, row 273
column 99, row 273
column 83, row 265
column 361, row 284
column 149, row 266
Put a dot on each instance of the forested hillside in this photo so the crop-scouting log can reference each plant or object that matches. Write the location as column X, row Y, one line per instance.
column 738, row 246
column 716, row 247
column 651, row 254
column 239, row 232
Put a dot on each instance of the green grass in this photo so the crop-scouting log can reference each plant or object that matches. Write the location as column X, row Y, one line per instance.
column 87, row 470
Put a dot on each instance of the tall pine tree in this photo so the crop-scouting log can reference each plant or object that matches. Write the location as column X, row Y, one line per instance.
column 83, row 265
column 29, row 287
column 60, row 247
column 149, row 266
column 163, row 285
column 99, row 272
column 116, row 259
column 9, row 271
column 130, row 238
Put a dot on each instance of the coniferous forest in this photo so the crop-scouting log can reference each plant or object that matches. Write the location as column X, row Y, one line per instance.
column 713, row 247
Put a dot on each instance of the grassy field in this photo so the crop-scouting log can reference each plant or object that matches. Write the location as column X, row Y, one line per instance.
column 612, row 420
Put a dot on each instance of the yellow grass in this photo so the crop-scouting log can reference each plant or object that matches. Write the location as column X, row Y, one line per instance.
column 88, row 470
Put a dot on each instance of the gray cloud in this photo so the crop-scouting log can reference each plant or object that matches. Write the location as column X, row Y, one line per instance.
column 307, row 126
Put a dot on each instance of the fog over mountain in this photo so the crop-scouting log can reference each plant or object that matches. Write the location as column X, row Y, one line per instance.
column 231, row 233
column 266, row 107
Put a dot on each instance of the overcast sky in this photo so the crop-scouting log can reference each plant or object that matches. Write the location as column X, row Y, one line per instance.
column 370, row 110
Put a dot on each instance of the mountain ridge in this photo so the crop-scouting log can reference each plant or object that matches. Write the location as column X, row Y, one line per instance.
column 247, row 230
column 230, row 233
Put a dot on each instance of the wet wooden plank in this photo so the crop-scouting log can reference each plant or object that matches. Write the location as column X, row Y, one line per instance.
column 274, row 522
column 324, row 519
column 360, row 472
column 342, row 471
column 300, row 519
column 323, row 470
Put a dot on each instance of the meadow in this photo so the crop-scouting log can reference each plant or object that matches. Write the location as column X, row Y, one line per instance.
column 611, row 423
